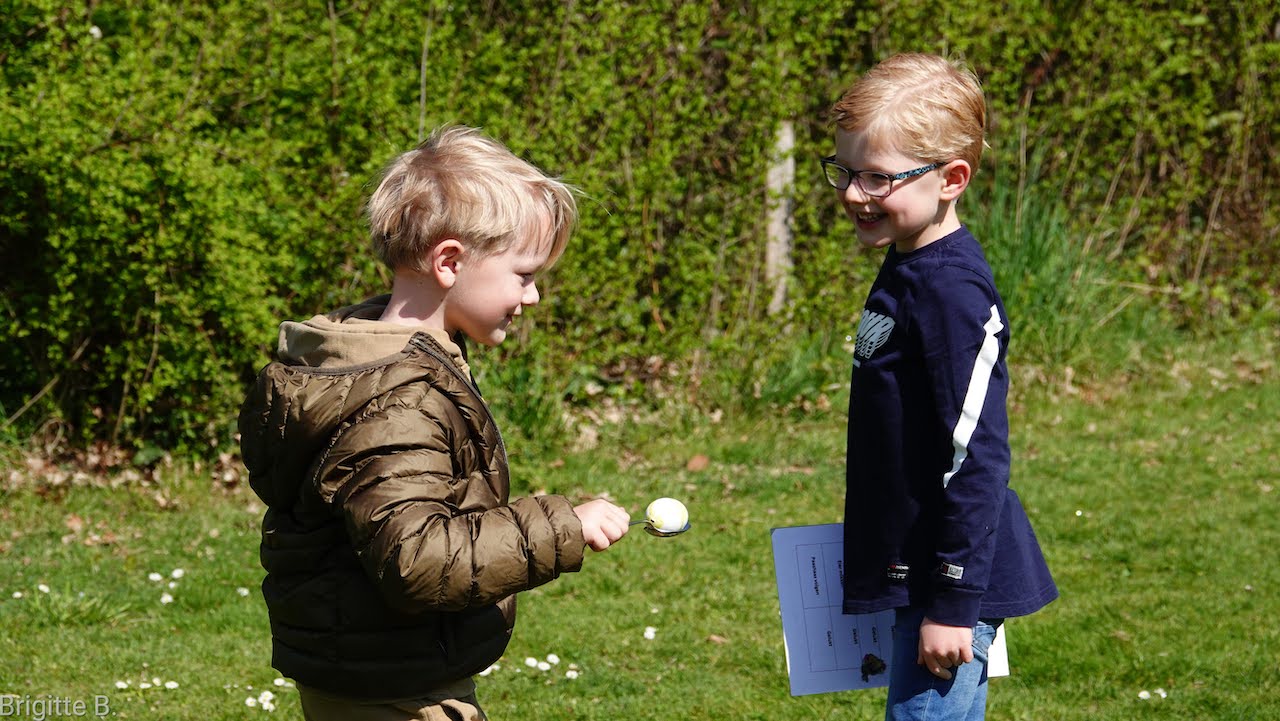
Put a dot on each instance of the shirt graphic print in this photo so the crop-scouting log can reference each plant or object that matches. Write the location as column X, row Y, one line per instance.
column 873, row 330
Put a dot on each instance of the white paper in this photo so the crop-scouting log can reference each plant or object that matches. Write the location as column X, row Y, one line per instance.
column 827, row 650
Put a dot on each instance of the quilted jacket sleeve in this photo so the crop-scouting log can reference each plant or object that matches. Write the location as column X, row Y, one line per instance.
column 431, row 534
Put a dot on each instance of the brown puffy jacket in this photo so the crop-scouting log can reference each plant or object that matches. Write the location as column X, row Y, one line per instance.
column 391, row 550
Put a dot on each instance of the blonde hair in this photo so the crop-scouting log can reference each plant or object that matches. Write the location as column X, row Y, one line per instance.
column 460, row 184
column 920, row 105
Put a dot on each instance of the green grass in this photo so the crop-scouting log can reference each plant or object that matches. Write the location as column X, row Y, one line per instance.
column 1154, row 494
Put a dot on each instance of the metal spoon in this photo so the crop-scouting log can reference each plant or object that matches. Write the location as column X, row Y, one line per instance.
column 652, row 531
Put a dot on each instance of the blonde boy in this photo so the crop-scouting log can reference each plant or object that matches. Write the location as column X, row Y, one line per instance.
column 392, row 551
column 932, row 528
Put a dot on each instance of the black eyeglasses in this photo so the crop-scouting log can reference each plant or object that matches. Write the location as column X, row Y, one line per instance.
column 870, row 182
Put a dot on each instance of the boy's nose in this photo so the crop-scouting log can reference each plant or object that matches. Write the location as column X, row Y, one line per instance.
column 853, row 194
column 531, row 296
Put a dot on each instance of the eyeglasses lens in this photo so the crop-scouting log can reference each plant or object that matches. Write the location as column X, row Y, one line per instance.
column 875, row 184
column 837, row 176
column 871, row 183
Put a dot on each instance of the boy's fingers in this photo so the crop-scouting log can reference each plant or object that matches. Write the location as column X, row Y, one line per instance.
column 614, row 529
column 602, row 523
column 619, row 515
column 597, row 540
column 937, row 665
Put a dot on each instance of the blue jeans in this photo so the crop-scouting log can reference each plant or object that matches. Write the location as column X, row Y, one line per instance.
column 917, row 695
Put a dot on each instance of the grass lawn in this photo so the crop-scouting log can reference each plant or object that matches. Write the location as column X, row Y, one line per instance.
column 1154, row 496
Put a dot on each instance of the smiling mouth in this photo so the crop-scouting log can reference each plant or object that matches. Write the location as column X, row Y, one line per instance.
column 869, row 218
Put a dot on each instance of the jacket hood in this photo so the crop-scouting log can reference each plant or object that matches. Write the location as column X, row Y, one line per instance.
column 327, row 368
column 354, row 336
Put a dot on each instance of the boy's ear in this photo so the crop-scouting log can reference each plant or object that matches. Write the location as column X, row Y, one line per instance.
column 955, row 178
column 443, row 262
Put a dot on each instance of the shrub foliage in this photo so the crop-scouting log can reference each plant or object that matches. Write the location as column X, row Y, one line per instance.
column 178, row 177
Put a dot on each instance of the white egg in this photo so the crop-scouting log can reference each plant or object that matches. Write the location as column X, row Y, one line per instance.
column 667, row 515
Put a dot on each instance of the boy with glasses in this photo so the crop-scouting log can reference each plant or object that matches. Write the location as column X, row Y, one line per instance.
column 932, row 528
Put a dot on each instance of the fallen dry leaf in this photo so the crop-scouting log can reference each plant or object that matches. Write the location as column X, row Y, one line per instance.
column 74, row 523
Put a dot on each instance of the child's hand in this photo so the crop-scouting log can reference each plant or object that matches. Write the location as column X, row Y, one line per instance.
column 602, row 523
column 944, row 647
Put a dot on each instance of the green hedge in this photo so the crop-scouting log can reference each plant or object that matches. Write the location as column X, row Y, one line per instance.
column 175, row 178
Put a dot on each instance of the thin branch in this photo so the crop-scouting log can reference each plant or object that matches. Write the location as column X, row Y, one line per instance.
column 1131, row 218
column 1208, row 227
column 146, row 373
column 47, row 387
column 1115, row 311
column 422, row 81
column 1143, row 287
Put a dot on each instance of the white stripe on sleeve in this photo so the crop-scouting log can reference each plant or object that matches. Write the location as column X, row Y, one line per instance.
column 976, row 395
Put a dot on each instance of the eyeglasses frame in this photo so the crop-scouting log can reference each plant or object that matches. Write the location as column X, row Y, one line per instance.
column 855, row 176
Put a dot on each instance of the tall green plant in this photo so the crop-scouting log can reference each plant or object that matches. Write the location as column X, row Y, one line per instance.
column 1055, row 292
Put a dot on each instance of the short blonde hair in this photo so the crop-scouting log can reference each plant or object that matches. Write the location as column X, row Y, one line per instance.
column 460, row 184
column 920, row 105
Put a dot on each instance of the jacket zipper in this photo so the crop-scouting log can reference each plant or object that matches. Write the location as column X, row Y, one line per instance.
column 448, row 364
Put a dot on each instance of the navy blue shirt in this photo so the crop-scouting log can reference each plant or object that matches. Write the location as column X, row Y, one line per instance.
column 930, row 520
